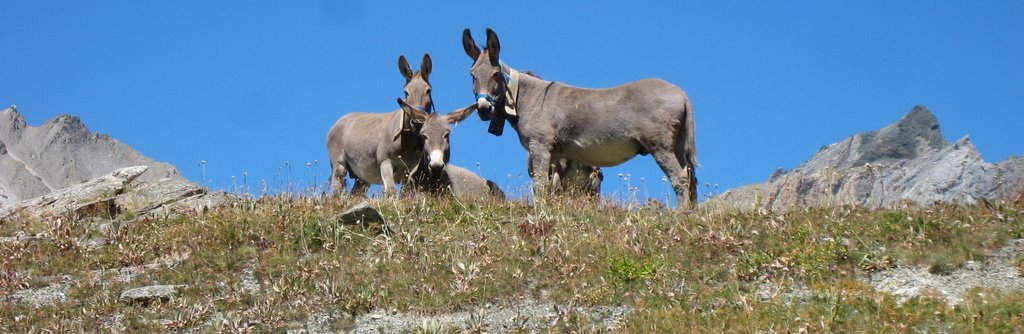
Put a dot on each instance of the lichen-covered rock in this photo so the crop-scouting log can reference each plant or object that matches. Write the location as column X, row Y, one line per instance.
column 111, row 195
column 148, row 294
column 53, row 293
column 998, row 272
column 170, row 196
column 908, row 161
column 86, row 195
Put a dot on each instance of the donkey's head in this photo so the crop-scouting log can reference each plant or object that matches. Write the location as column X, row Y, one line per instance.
column 488, row 80
column 434, row 133
column 417, row 84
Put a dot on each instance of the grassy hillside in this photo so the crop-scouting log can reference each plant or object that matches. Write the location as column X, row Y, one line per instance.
column 272, row 264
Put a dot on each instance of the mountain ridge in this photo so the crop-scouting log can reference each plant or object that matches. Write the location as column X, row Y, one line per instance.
column 61, row 152
column 906, row 161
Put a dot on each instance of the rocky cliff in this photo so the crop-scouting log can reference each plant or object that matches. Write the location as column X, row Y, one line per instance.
column 62, row 152
column 908, row 161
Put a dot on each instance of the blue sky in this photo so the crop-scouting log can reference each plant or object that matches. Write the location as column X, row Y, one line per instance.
column 247, row 85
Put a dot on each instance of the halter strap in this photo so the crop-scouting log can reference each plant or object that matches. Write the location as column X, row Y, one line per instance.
column 426, row 109
column 511, row 88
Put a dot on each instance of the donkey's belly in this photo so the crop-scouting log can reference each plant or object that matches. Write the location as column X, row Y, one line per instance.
column 368, row 171
column 600, row 153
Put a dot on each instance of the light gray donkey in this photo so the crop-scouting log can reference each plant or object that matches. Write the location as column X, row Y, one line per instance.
column 380, row 148
column 596, row 127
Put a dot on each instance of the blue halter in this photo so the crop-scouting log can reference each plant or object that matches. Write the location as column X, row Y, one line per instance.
column 508, row 81
column 490, row 98
column 427, row 109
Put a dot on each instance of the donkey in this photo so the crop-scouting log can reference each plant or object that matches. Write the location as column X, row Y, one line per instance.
column 574, row 178
column 570, row 177
column 596, row 127
column 380, row 148
column 434, row 174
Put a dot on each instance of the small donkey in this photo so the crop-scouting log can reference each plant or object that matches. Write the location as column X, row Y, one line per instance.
column 573, row 178
column 380, row 148
column 434, row 174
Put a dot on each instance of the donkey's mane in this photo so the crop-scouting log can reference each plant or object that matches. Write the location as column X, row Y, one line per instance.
column 532, row 74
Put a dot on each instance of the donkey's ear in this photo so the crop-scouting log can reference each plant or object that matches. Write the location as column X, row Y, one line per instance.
column 411, row 114
column 461, row 114
column 493, row 46
column 469, row 45
column 425, row 67
column 403, row 66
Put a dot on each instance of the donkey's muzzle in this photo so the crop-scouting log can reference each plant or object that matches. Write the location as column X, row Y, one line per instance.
column 436, row 162
column 485, row 106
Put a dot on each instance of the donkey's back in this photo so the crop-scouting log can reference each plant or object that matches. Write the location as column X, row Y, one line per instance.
column 358, row 142
column 468, row 186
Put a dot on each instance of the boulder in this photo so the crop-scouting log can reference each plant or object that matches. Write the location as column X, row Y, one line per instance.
column 361, row 214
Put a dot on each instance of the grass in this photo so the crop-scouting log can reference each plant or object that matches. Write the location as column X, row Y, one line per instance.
column 701, row 271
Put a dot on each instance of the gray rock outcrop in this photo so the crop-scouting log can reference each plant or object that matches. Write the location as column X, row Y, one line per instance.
column 62, row 152
column 112, row 195
column 97, row 195
column 908, row 161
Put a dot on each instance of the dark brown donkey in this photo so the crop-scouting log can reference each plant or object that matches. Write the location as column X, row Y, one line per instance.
column 596, row 127
column 380, row 148
column 434, row 174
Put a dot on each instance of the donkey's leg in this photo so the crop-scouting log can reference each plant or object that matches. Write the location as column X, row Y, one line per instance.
column 360, row 188
column 338, row 170
column 684, row 157
column 666, row 159
column 686, row 150
column 387, row 174
column 557, row 185
column 540, row 162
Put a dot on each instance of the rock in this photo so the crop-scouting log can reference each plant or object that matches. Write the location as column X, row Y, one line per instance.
column 908, row 161
column 522, row 316
column 87, row 196
column 22, row 237
column 170, row 196
column 51, row 294
column 197, row 203
column 125, row 274
column 148, row 294
column 997, row 272
column 111, row 195
column 361, row 214
column 152, row 195
column 60, row 153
